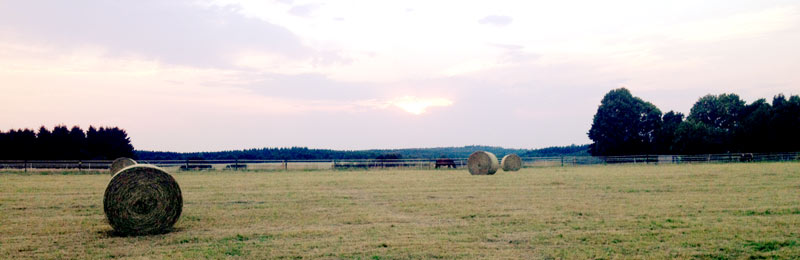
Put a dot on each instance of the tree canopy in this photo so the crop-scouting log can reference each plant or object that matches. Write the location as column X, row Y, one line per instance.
column 724, row 123
column 624, row 124
column 105, row 143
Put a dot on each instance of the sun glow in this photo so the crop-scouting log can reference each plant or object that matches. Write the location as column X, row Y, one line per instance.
column 418, row 106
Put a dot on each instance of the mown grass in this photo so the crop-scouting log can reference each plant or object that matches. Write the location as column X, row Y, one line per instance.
column 714, row 211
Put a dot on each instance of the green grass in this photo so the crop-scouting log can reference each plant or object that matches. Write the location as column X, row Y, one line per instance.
column 712, row 211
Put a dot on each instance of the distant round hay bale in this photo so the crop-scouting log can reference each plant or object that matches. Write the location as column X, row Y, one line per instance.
column 511, row 163
column 482, row 163
column 142, row 199
column 121, row 163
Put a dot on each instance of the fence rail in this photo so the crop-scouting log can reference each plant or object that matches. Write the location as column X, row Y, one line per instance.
column 555, row 161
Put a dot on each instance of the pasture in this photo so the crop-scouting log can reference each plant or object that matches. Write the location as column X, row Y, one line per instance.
column 707, row 211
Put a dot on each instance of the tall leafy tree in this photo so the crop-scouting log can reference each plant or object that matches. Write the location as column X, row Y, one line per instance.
column 23, row 143
column 77, row 144
column 5, row 145
column 785, row 123
column 60, row 148
column 694, row 137
column 722, row 111
column 118, row 143
column 44, row 143
column 624, row 125
column 666, row 134
column 715, row 119
column 93, row 143
column 107, row 143
column 753, row 133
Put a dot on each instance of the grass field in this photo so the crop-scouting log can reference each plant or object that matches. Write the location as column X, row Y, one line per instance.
column 713, row 211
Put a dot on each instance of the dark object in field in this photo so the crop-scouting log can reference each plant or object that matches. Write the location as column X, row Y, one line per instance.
column 449, row 163
column 746, row 157
column 236, row 166
column 482, row 163
column 196, row 167
column 120, row 163
column 141, row 200
column 511, row 163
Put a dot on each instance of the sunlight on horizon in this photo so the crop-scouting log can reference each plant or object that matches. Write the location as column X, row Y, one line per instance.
column 418, row 106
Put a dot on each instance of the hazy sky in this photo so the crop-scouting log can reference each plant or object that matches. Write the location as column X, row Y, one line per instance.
column 232, row 74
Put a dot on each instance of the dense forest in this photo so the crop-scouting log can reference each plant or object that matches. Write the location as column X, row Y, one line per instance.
column 303, row 153
column 627, row 125
column 62, row 143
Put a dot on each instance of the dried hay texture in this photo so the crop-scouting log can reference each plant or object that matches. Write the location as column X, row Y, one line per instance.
column 511, row 163
column 142, row 199
column 482, row 163
column 120, row 163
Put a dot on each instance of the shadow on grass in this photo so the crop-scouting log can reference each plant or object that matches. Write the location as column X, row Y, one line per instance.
column 114, row 233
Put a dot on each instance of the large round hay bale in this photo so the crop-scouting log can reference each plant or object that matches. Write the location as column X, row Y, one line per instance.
column 142, row 199
column 511, row 163
column 120, row 163
column 482, row 163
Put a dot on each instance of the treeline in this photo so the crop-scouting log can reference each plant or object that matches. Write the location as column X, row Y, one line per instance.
column 293, row 153
column 628, row 125
column 571, row 150
column 62, row 143
column 303, row 153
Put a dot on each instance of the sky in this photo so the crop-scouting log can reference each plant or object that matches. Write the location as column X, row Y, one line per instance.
column 234, row 74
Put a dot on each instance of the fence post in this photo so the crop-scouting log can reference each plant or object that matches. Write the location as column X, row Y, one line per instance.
column 285, row 165
column 562, row 161
column 25, row 165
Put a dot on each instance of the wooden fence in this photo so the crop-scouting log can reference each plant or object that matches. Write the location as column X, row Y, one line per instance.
column 373, row 164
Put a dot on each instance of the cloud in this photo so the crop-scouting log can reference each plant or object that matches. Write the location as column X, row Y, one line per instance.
column 411, row 104
column 175, row 72
column 468, row 66
column 176, row 32
column 496, row 20
column 303, row 10
column 308, row 86
column 515, row 53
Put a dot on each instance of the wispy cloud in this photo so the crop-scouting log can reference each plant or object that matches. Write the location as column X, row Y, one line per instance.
column 243, row 73
column 304, row 10
column 497, row 20
column 177, row 32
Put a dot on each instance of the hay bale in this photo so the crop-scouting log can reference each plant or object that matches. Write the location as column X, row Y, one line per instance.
column 482, row 163
column 511, row 163
column 142, row 199
column 120, row 163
